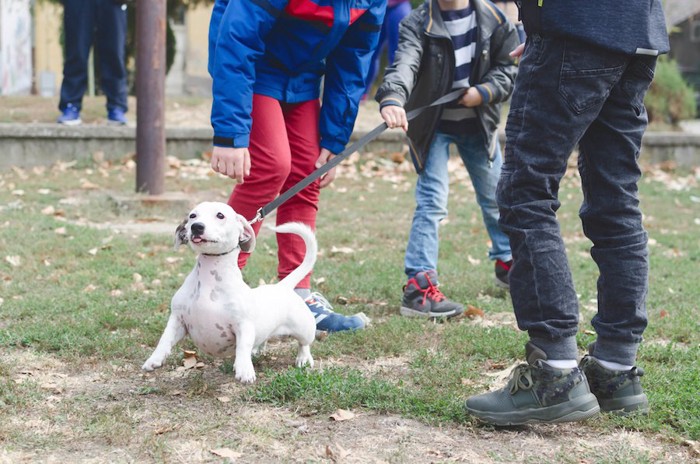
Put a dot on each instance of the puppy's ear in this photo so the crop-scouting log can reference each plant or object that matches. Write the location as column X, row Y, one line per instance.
column 247, row 239
column 181, row 233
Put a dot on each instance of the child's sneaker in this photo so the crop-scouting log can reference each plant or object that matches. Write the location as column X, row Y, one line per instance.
column 502, row 269
column 70, row 116
column 618, row 392
column 422, row 298
column 536, row 393
column 329, row 321
column 116, row 117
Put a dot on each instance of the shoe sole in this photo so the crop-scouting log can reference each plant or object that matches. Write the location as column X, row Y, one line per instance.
column 73, row 122
column 500, row 284
column 578, row 409
column 409, row 312
column 626, row 406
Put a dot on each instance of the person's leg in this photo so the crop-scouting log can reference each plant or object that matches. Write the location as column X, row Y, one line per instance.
column 394, row 16
column 560, row 90
column 376, row 61
column 421, row 296
column 553, row 105
column 484, row 176
column 611, row 218
column 301, row 123
column 270, row 161
column 110, row 44
column 78, row 32
column 432, row 189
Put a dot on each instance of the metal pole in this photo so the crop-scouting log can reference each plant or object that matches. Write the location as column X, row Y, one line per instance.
column 150, row 96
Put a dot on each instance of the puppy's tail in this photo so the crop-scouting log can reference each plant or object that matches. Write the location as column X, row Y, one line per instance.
column 307, row 265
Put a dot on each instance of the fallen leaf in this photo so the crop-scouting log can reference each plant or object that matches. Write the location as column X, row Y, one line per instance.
column 166, row 429
column 190, row 359
column 224, row 399
column 336, row 456
column 342, row 415
column 60, row 231
column 473, row 261
column 473, row 312
column 343, row 250
column 13, row 260
column 226, row 453
column 694, row 446
column 663, row 313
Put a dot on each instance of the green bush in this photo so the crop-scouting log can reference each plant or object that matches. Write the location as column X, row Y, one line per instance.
column 670, row 98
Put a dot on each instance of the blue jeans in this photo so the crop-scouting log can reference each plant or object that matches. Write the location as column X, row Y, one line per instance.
column 568, row 93
column 102, row 22
column 432, row 190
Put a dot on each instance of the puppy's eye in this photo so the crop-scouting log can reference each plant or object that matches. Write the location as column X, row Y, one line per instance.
column 220, row 215
column 193, row 215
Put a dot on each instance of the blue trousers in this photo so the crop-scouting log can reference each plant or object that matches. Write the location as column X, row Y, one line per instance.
column 569, row 93
column 102, row 23
column 432, row 190
column 388, row 40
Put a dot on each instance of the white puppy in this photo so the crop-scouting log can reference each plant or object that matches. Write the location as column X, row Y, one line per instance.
column 216, row 308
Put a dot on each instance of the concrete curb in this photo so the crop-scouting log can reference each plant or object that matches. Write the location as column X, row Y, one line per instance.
column 27, row 145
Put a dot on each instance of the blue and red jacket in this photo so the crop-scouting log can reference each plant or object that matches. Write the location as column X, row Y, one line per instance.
column 283, row 49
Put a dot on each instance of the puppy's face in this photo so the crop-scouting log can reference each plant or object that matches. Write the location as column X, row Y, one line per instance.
column 215, row 228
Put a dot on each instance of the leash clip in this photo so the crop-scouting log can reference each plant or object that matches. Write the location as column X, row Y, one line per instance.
column 257, row 218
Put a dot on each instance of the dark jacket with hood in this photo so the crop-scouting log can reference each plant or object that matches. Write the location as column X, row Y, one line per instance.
column 424, row 65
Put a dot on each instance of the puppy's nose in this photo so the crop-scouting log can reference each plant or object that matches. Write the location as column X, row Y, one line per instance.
column 197, row 228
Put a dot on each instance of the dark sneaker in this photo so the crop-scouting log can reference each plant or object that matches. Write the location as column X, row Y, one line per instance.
column 116, row 117
column 618, row 392
column 422, row 298
column 70, row 116
column 502, row 269
column 536, row 393
column 329, row 321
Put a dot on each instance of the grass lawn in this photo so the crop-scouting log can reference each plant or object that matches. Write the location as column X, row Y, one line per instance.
column 86, row 280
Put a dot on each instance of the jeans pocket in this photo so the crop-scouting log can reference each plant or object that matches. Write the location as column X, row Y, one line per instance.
column 637, row 79
column 588, row 74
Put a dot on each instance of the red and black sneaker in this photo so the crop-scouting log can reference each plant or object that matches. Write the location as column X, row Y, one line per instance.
column 502, row 270
column 422, row 298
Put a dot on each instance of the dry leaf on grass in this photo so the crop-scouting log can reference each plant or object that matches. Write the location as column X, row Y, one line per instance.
column 344, row 250
column 342, row 415
column 190, row 359
column 13, row 260
column 473, row 312
column 226, row 453
column 336, row 455
column 694, row 447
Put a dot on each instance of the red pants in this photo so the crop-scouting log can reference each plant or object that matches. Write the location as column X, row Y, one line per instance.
column 284, row 148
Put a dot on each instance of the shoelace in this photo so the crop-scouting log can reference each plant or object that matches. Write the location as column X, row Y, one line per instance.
column 318, row 299
column 521, row 379
column 432, row 292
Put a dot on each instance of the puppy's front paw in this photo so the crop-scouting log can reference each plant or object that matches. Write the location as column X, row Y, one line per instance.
column 153, row 363
column 245, row 372
column 304, row 357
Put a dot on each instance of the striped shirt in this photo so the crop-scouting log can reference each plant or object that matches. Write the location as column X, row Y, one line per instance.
column 462, row 27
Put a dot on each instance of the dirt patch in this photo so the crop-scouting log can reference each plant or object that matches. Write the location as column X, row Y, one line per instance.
column 104, row 413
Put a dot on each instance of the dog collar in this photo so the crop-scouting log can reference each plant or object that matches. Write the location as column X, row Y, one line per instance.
column 221, row 254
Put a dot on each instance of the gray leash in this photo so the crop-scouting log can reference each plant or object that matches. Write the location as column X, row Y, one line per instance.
column 274, row 204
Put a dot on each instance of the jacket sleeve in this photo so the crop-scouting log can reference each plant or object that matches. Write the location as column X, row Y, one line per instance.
column 236, row 42
column 497, row 84
column 400, row 77
column 344, row 82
